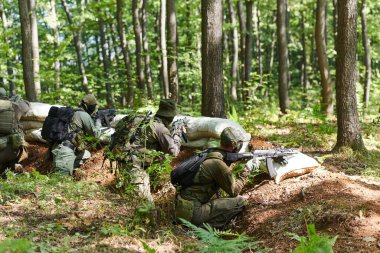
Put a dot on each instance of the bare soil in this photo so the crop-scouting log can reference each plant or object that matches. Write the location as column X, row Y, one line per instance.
column 338, row 204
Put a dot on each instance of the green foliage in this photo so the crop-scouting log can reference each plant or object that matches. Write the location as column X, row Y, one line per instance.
column 314, row 243
column 17, row 246
column 147, row 248
column 159, row 172
column 212, row 240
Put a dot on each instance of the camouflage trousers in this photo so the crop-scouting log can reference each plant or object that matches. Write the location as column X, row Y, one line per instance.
column 65, row 159
column 9, row 155
column 217, row 212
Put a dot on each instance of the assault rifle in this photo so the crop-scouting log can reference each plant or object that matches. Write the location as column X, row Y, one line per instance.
column 271, row 155
column 178, row 128
column 105, row 116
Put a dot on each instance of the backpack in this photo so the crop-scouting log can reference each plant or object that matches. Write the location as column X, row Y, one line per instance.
column 183, row 175
column 56, row 125
column 8, row 123
column 126, row 129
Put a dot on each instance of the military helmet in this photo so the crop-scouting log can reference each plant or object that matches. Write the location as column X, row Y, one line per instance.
column 90, row 99
column 231, row 137
column 3, row 92
column 167, row 108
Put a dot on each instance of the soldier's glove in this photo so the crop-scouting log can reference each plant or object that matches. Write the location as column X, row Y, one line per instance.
column 281, row 160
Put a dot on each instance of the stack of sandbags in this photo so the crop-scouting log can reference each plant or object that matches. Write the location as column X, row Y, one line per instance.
column 204, row 132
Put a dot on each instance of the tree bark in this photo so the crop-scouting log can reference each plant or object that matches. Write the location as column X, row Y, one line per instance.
column 136, row 8
column 77, row 37
column 243, row 31
column 164, row 57
column 212, row 58
column 148, row 70
column 57, row 64
column 35, row 47
column 105, row 59
column 283, row 69
column 172, row 50
column 248, row 48
column 367, row 55
column 258, row 42
column 304, row 77
column 27, row 54
column 235, row 52
column 349, row 133
column 127, row 91
column 320, row 40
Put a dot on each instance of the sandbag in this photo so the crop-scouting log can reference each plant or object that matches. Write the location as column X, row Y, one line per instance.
column 116, row 119
column 34, row 135
column 202, row 143
column 30, row 124
column 38, row 112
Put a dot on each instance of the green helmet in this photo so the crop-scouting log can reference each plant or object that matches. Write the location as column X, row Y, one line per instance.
column 90, row 99
column 167, row 108
column 231, row 137
column 3, row 92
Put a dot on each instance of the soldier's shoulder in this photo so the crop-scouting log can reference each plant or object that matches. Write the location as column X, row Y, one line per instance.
column 215, row 155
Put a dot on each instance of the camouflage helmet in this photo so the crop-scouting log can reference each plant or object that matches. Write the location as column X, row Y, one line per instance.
column 89, row 99
column 3, row 92
column 167, row 108
column 231, row 137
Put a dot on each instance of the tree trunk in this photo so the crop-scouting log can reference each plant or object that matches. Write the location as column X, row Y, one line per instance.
column 172, row 50
column 105, row 59
column 235, row 52
column 243, row 31
column 164, row 58
column 248, row 49
column 367, row 55
column 349, row 133
column 320, row 40
column 57, row 64
column 35, row 47
column 77, row 35
column 212, row 58
column 304, row 77
column 27, row 54
column 127, row 91
column 282, row 39
column 148, row 70
column 258, row 43
column 136, row 7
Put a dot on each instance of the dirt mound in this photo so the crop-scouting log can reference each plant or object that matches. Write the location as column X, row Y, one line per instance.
column 334, row 202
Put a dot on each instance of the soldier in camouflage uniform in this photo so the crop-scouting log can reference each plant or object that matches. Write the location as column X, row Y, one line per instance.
column 197, row 203
column 12, row 145
column 135, row 155
column 72, row 153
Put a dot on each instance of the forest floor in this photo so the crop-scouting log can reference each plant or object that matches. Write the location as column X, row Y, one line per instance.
column 87, row 214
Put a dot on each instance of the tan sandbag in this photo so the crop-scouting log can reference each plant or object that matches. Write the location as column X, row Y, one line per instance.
column 202, row 143
column 34, row 135
column 38, row 112
column 297, row 165
column 30, row 124
column 117, row 118
column 106, row 135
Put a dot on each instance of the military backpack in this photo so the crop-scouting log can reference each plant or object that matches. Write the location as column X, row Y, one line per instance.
column 56, row 124
column 8, row 122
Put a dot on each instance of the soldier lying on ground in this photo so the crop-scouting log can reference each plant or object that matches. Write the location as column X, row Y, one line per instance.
column 67, row 144
column 196, row 202
column 12, row 143
column 136, row 137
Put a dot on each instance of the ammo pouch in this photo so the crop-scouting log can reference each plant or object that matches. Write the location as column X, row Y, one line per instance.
column 17, row 140
column 3, row 142
column 183, row 208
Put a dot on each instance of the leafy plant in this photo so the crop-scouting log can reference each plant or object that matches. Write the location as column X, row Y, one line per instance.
column 314, row 243
column 212, row 240
column 17, row 246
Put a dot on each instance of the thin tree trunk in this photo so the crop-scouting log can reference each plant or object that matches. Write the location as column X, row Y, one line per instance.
column 105, row 59
column 258, row 43
column 248, row 48
column 349, row 133
column 320, row 40
column 283, row 69
column 127, row 90
column 367, row 55
column 243, row 31
column 172, row 50
column 235, row 61
column 148, row 71
column 27, row 55
column 35, row 47
column 136, row 8
column 164, row 58
column 212, row 58
column 77, row 43
column 57, row 64
column 304, row 77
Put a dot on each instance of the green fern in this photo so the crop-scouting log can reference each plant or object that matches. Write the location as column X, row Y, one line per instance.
column 315, row 243
column 212, row 240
